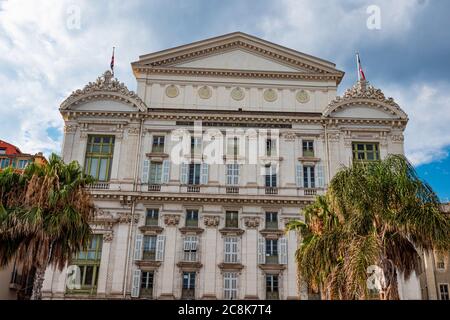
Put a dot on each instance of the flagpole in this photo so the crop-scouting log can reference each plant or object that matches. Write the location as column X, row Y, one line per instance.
column 357, row 67
column 112, row 62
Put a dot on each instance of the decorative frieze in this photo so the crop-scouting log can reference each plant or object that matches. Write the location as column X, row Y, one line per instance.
column 211, row 221
column 251, row 222
column 108, row 237
column 171, row 219
column 125, row 217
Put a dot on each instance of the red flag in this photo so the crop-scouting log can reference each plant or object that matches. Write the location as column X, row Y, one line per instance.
column 361, row 75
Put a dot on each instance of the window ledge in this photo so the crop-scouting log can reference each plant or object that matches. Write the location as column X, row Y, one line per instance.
column 272, row 233
column 189, row 266
column 272, row 267
column 161, row 155
column 150, row 230
column 308, row 159
column 231, row 231
column 231, row 266
column 194, row 230
column 150, row 265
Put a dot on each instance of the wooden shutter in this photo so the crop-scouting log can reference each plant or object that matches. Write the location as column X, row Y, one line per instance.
column 145, row 171
column 299, row 175
column 160, row 242
column 320, row 176
column 136, row 283
column 166, row 171
column 204, row 173
column 261, row 250
column 184, row 173
column 282, row 250
column 138, row 247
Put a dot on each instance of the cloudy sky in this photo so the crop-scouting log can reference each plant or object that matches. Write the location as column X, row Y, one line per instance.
column 50, row 47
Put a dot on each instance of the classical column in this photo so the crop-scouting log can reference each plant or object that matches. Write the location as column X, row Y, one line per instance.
column 168, row 267
column 104, row 263
column 210, row 256
column 250, row 257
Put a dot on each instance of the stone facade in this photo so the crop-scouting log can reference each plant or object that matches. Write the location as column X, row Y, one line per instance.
column 172, row 230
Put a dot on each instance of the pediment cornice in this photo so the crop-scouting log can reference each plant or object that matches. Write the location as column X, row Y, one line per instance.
column 104, row 88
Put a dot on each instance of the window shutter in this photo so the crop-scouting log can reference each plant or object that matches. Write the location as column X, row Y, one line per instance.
column 194, row 243
column 261, row 250
column 282, row 249
column 204, row 173
column 227, row 250
column 138, row 247
column 136, row 283
column 187, row 243
column 299, row 175
column 320, row 176
column 166, row 171
column 160, row 241
column 145, row 171
column 236, row 250
column 184, row 173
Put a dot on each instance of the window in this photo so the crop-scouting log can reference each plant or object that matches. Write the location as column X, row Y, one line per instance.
column 99, row 156
column 308, row 148
column 158, row 144
column 230, row 285
column 271, row 147
column 2, row 151
column 232, row 174
column 21, row 164
column 271, row 220
column 188, row 291
column 272, row 287
column 233, row 146
column 196, row 146
column 89, row 263
column 192, row 218
column 4, row 163
column 155, row 173
column 147, row 284
column 365, row 151
column 190, row 248
column 443, row 291
column 231, row 249
column 151, row 219
column 271, row 176
column 308, row 177
column 231, row 219
column 271, row 251
column 149, row 251
column 194, row 173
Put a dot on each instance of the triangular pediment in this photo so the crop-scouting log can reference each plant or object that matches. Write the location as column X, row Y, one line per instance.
column 239, row 52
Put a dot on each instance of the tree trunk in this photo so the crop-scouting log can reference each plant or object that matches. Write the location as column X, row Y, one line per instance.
column 390, row 289
column 37, row 284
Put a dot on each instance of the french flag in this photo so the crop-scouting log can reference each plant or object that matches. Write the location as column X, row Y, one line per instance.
column 112, row 62
column 361, row 75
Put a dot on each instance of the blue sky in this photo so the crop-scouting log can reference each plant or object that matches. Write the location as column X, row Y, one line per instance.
column 50, row 47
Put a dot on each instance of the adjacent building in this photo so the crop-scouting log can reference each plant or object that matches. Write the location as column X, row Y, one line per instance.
column 224, row 142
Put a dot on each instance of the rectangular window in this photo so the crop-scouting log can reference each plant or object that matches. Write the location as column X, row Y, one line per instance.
column 194, row 173
column 151, row 218
column 230, row 285
column 155, row 173
column 196, row 146
column 233, row 146
column 192, row 218
column 147, row 284
column 365, row 151
column 231, row 249
column 88, row 261
column 99, row 155
column 149, row 250
column 271, row 147
column 21, row 164
column 188, row 291
column 4, row 163
column 158, row 144
column 308, row 148
column 309, row 177
column 271, row 176
column 271, row 220
column 190, row 248
column 231, row 219
column 440, row 265
column 443, row 291
column 272, row 287
column 232, row 174
column 272, row 251
column 2, row 151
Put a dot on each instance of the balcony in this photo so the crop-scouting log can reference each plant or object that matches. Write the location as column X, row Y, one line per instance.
column 310, row 192
column 271, row 190
column 271, row 259
column 308, row 153
column 99, row 186
column 154, row 188
column 193, row 189
column 232, row 190
column 158, row 149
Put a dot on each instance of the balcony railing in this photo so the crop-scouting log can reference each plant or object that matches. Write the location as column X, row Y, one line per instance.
column 158, row 149
column 272, row 259
column 192, row 223
column 151, row 221
column 272, row 225
column 149, row 255
column 190, row 256
column 271, row 190
column 99, row 186
column 234, row 190
column 154, row 187
column 308, row 153
column 310, row 192
column 193, row 189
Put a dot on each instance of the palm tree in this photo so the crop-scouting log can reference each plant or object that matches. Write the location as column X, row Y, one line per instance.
column 44, row 215
column 373, row 214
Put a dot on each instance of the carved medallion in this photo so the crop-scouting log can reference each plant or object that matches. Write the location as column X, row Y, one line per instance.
column 302, row 96
column 270, row 95
column 172, row 91
column 237, row 94
column 204, row 92
column 251, row 222
column 211, row 221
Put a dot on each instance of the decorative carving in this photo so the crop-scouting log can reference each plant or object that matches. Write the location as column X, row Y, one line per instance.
column 103, row 87
column 211, row 221
column 125, row 217
column 237, row 94
column 133, row 131
column 171, row 219
column 302, row 96
column 397, row 138
column 289, row 136
column 363, row 91
column 204, row 92
column 270, row 95
column 172, row 91
column 108, row 237
column 251, row 222
column 70, row 128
